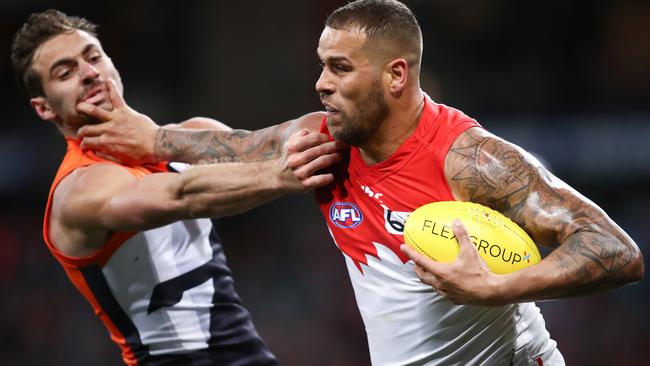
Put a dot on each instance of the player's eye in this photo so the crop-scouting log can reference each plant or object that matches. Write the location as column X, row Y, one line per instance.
column 64, row 74
column 95, row 58
column 341, row 68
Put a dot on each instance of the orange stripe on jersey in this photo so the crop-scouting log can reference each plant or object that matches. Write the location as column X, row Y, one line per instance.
column 74, row 159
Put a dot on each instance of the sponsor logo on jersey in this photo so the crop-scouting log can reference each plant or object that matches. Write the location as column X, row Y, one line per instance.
column 345, row 215
column 394, row 220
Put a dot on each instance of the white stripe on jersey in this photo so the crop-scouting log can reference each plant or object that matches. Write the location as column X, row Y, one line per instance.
column 152, row 257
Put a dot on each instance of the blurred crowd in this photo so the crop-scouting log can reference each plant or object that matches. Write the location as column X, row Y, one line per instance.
column 567, row 80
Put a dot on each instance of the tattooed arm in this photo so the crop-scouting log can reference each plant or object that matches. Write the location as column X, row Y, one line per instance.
column 591, row 252
column 194, row 146
column 133, row 137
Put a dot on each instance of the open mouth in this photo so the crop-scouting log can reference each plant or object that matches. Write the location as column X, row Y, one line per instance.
column 95, row 96
column 330, row 110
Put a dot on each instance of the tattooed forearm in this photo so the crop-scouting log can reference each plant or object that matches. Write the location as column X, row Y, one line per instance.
column 588, row 262
column 592, row 253
column 599, row 255
column 211, row 146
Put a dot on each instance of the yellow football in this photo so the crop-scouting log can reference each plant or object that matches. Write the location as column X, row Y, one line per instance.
column 503, row 245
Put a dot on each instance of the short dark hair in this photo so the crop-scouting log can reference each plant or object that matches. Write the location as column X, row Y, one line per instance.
column 380, row 19
column 39, row 28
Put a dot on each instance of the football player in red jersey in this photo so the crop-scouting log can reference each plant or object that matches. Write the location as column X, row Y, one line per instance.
column 406, row 151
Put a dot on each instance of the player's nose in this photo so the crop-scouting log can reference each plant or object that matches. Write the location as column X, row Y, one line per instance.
column 324, row 83
column 89, row 72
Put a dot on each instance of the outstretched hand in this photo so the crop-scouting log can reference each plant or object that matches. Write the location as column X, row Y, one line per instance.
column 466, row 280
column 123, row 134
column 304, row 156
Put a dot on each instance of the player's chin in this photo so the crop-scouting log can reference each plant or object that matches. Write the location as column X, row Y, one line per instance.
column 336, row 130
column 337, row 121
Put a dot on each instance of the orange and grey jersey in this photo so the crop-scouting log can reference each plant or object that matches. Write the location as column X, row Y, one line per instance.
column 165, row 295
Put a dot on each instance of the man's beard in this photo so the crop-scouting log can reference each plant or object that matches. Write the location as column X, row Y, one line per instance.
column 371, row 111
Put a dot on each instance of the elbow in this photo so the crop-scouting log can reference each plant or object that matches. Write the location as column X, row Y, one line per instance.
column 635, row 269
column 628, row 266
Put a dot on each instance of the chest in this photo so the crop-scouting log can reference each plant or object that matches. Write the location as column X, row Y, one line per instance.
column 364, row 208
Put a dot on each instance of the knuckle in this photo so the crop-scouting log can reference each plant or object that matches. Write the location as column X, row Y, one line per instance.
column 293, row 161
column 290, row 145
column 301, row 174
column 330, row 146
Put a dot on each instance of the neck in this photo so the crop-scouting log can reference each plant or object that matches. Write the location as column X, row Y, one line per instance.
column 399, row 125
column 67, row 130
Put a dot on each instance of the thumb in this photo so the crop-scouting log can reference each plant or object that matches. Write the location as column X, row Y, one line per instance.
column 466, row 246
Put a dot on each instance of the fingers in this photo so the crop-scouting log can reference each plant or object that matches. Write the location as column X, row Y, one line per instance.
column 116, row 98
column 319, row 180
column 94, row 111
column 91, row 131
column 428, row 271
column 308, row 153
column 341, row 146
column 428, row 277
column 317, row 164
column 302, row 160
column 312, row 153
column 421, row 260
column 410, row 252
column 304, row 139
column 91, row 143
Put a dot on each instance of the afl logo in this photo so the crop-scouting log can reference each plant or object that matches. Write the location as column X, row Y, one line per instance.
column 345, row 215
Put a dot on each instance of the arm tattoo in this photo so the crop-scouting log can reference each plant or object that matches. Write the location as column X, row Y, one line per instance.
column 210, row 146
column 591, row 250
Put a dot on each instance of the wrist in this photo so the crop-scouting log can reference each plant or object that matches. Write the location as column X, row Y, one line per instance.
column 499, row 290
column 280, row 182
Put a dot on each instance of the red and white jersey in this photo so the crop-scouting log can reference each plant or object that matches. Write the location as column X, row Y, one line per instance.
column 407, row 323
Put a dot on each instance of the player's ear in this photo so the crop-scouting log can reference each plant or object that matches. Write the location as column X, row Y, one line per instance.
column 397, row 71
column 43, row 108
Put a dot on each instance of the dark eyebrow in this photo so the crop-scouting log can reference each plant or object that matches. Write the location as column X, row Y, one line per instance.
column 68, row 61
column 337, row 59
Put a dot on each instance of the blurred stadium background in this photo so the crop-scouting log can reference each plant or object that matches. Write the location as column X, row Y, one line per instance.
column 567, row 80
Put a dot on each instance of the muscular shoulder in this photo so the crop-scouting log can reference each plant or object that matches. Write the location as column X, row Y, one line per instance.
column 200, row 123
column 312, row 121
column 486, row 169
column 75, row 202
